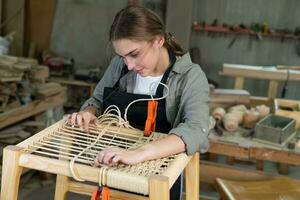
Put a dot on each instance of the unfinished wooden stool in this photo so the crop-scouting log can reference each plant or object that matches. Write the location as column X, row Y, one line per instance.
column 69, row 152
column 277, row 188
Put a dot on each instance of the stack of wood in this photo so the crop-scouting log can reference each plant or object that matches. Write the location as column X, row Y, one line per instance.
column 13, row 68
column 22, row 80
column 14, row 134
column 239, row 115
column 8, row 96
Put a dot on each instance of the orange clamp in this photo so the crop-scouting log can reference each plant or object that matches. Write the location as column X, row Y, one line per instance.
column 101, row 190
column 151, row 118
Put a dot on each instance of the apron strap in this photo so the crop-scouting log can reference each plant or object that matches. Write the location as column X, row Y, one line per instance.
column 160, row 88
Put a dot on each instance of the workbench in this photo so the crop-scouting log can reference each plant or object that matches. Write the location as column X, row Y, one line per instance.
column 233, row 145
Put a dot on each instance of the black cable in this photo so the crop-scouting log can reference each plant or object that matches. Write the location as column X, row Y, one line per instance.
column 298, row 48
column 285, row 85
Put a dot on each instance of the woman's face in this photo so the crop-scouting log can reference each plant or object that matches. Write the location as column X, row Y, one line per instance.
column 140, row 56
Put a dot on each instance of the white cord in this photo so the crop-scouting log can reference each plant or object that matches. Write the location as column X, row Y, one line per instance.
column 147, row 99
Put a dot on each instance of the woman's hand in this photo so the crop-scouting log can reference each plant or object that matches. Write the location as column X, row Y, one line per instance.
column 167, row 146
column 83, row 119
column 114, row 155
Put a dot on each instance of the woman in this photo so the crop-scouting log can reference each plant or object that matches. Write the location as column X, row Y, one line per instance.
column 147, row 54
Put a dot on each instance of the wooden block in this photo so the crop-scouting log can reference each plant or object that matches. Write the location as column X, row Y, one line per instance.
column 291, row 114
column 40, row 72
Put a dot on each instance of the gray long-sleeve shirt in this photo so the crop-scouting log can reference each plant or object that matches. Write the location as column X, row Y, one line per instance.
column 186, row 105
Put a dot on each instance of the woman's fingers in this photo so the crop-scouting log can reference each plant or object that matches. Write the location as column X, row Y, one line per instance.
column 86, row 121
column 83, row 119
column 115, row 160
column 108, row 157
column 79, row 121
column 99, row 158
column 73, row 118
column 105, row 156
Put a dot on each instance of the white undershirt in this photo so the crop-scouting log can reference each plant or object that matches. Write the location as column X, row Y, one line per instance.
column 142, row 84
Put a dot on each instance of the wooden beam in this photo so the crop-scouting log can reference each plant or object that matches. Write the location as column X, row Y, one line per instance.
column 39, row 20
column 85, row 189
column 14, row 17
column 59, row 167
column 192, row 183
column 159, row 187
column 273, row 155
column 35, row 107
column 61, row 187
column 228, row 149
column 258, row 72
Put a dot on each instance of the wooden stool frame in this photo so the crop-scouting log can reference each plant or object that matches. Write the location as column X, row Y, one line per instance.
column 15, row 159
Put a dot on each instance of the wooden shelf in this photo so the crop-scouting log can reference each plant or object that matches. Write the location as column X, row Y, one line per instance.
column 241, row 31
column 15, row 115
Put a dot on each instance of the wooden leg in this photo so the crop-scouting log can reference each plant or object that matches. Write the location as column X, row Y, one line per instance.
column 260, row 165
column 213, row 157
column 272, row 92
column 62, row 182
column 192, row 178
column 283, row 168
column 159, row 188
column 230, row 160
column 62, row 187
column 239, row 82
column 11, row 173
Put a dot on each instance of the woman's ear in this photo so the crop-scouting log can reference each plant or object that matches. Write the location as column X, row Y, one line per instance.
column 159, row 40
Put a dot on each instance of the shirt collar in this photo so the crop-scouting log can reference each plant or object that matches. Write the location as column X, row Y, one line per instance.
column 182, row 64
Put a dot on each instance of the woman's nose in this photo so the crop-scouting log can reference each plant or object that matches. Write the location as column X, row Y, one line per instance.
column 130, row 64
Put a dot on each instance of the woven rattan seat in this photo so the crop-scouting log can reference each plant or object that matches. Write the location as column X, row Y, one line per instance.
column 54, row 149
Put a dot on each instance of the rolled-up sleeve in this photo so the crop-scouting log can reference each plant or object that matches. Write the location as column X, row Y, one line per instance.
column 109, row 78
column 193, row 126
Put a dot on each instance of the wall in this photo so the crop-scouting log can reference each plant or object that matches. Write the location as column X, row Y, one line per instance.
column 80, row 30
column 214, row 49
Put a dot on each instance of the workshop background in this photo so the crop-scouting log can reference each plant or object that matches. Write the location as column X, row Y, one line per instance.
column 53, row 53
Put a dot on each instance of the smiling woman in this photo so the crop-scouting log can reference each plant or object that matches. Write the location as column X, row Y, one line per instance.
column 146, row 54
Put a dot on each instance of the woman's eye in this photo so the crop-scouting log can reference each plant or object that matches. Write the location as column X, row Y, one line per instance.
column 134, row 55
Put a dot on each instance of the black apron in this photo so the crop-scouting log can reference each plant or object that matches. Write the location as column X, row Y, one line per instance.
column 137, row 113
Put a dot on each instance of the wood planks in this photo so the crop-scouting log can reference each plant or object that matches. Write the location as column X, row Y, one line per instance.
column 31, row 109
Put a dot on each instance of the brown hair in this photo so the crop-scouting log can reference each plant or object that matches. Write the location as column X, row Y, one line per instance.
column 139, row 23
